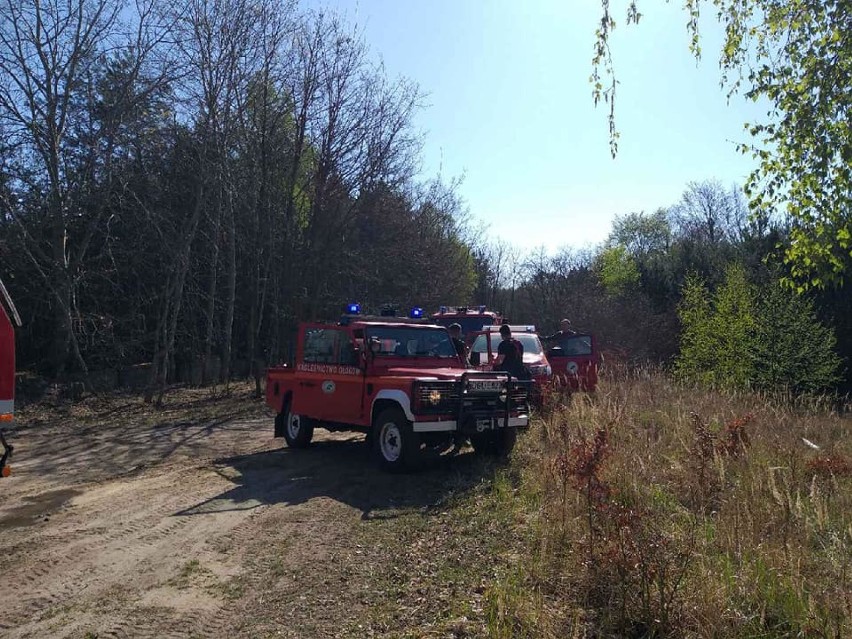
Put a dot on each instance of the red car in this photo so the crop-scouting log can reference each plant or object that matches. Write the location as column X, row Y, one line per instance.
column 483, row 350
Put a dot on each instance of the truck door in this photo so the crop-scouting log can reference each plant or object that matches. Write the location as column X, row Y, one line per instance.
column 481, row 351
column 574, row 360
column 346, row 405
column 330, row 382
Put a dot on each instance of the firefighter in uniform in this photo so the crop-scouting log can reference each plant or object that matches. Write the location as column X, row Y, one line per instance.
column 461, row 348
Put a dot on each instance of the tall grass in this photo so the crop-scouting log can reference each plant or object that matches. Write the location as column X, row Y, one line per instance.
column 658, row 509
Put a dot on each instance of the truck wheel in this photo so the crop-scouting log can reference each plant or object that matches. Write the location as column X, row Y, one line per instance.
column 395, row 445
column 499, row 442
column 298, row 430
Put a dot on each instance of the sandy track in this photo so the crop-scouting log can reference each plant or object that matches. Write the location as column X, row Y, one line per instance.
column 133, row 529
column 177, row 527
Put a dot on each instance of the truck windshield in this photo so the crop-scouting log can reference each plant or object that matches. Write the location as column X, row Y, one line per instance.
column 400, row 341
column 468, row 324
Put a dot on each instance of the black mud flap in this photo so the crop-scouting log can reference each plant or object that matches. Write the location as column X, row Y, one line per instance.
column 280, row 424
column 281, row 417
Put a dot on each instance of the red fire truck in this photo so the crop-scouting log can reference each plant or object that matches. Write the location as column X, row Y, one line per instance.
column 7, row 372
column 401, row 382
column 471, row 319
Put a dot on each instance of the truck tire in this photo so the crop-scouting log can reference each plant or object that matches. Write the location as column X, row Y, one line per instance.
column 297, row 429
column 395, row 444
column 497, row 442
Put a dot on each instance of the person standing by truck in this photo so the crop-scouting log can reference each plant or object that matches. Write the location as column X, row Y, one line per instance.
column 510, row 355
column 461, row 348
column 565, row 330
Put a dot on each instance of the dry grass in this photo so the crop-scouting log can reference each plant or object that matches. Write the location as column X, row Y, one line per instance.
column 654, row 509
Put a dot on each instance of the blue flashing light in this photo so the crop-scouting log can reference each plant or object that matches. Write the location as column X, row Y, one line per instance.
column 353, row 309
column 443, row 310
column 482, row 308
column 416, row 312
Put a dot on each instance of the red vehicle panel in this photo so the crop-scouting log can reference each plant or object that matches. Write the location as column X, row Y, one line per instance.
column 575, row 361
column 7, row 366
column 7, row 372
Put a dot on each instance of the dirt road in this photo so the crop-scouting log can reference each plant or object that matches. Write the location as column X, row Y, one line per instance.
column 194, row 522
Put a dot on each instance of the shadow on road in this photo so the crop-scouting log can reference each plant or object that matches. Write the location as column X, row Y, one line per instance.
column 341, row 470
column 112, row 450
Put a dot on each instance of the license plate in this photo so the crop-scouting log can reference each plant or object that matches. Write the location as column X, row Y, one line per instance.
column 484, row 385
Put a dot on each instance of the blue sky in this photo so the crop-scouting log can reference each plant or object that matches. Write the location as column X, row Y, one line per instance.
column 510, row 109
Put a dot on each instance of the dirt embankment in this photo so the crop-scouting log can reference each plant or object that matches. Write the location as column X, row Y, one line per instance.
column 193, row 522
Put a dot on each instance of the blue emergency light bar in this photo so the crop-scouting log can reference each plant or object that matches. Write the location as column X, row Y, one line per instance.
column 353, row 309
column 416, row 313
column 481, row 308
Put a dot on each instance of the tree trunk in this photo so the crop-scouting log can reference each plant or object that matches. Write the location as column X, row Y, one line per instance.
column 211, row 294
column 227, row 329
column 167, row 326
column 62, row 326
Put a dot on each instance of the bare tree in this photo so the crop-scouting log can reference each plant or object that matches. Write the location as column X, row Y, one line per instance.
column 500, row 272
column 708, row 212
column 51, row 59
column 264, row 113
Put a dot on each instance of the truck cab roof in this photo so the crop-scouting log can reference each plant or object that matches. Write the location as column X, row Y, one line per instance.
column 382, row 320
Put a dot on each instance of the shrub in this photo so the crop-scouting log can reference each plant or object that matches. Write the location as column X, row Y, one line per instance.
column 744, row 337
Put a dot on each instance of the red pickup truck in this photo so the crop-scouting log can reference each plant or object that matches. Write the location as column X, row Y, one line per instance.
column 400, row 382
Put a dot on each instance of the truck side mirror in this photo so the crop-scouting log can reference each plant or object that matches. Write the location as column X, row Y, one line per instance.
column 475, row 358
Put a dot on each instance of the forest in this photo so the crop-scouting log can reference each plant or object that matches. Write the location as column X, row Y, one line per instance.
column 182, row 183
